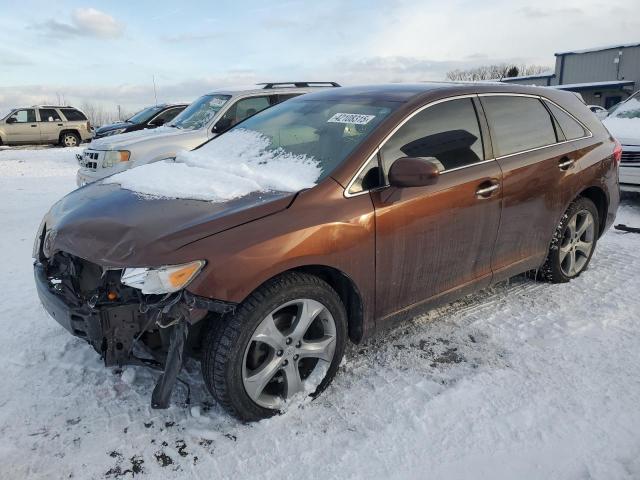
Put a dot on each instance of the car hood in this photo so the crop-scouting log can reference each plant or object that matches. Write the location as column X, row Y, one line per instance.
column 113, row 126
column 625, row 130
column 129, row 140
column 115, row 227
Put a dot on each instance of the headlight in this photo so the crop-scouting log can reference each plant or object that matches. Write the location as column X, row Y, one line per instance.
column 115, row 156
column 162, row 279
column 114, row 132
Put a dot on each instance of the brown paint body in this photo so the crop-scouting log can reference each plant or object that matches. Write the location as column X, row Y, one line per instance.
column 405, row 249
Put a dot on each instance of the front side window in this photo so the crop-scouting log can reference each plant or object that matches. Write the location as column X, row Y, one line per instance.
column 200, row 112
column 569, row 126
column 244, row 108
column 166, row 116
column 49, row 115
column 27, row 115
column 447, row 133
column 324, row 131
column 518, row 123
column 143, row 116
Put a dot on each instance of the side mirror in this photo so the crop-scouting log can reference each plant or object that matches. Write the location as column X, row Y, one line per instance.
column 221, row 125
column 11, row 120
column 413, row 172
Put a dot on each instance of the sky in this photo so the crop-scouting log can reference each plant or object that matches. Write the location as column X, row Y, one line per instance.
column 108, row 53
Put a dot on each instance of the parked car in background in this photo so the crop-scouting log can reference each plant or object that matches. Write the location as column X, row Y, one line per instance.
column 323, row 219
column 600, row 112
column 149, row 118
column 205, row 118
column 624, row 124
column 66, row 126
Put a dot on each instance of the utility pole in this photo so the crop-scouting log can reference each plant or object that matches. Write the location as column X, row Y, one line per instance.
column 155, row 93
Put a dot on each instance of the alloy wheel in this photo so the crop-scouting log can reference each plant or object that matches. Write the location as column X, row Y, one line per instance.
column 70, row 141
column 289, row 352
column 577, row 243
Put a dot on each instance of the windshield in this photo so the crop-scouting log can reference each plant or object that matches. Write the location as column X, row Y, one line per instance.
column 5, row 112
column 628, row 109
column 200, row 112
column 145, row 115
column 326, row 131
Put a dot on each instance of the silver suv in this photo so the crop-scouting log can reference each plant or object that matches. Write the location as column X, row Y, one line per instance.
column 66, row 126
column 205, row 118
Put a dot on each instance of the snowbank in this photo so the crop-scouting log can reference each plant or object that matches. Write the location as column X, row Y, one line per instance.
column 231, row 166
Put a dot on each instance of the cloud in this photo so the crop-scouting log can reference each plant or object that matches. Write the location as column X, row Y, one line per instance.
column 87, row 22
column 191, row 37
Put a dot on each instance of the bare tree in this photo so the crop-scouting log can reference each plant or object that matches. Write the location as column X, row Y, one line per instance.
column 495, row 72
column 98, row 116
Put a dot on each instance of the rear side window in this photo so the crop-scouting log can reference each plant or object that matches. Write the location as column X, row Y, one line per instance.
column 73, row 115
column 568, row 125
column 447, row 132
column 518, row 124
column 49, row 115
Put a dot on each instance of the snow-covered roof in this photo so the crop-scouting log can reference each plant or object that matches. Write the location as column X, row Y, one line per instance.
column 591, row 85
column 599, row 49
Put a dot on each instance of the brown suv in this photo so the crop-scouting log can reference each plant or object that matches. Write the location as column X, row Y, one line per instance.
column 424, row 193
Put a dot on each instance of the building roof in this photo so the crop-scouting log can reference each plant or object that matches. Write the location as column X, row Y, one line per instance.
column 599, row 49
column 594, row 85
column 528, row 77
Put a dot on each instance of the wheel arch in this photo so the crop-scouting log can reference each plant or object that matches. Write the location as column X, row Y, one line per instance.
column 346, row 289
column 598, row 196
column 70, row 130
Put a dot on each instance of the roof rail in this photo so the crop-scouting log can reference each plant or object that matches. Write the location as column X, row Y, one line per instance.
column 297, row 84
column 51, row 106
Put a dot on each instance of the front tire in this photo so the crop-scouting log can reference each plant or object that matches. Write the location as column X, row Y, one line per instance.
column 285, row 341
column 573, row 243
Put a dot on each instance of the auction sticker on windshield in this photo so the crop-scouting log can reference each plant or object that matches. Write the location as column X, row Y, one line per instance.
column 217, row 102
column 354, row 118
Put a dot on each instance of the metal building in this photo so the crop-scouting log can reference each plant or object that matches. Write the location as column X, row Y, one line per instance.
column 603, row 76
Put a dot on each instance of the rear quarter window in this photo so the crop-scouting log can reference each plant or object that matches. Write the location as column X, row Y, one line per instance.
column 569, row 126
column 73, row 115
column 518, row 123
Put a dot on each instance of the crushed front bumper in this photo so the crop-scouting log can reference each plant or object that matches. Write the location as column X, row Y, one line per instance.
column 109, row 330
column 112, row 328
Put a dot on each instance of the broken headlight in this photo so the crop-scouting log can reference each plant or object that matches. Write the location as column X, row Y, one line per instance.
column 167, row 279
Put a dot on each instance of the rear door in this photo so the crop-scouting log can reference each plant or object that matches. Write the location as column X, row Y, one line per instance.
column 537, row 164
column 50, row 124
column 435, row 239
column 24, row 129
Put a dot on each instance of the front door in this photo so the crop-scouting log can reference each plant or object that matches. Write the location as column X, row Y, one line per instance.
column 436, row 239
column 24, row 128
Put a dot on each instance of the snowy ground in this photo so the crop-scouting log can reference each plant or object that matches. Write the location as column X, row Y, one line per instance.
column 527, row 380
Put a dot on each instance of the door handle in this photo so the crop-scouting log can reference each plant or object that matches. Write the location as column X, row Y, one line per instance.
column 566, row 163
column 34, row 126
column 60, row 125
column 485, row 192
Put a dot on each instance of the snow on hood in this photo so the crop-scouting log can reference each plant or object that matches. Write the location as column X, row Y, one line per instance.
column 626, row 130
column 231, row 166
column 107, row 143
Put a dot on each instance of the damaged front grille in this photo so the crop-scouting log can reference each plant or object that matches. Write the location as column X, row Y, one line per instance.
column 83, row 282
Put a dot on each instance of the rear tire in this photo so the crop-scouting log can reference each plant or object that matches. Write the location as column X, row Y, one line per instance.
column 573, row 243
column 69, row 139
column 284, row 353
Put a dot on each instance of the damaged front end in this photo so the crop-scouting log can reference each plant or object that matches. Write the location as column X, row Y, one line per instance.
column 124, row 325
